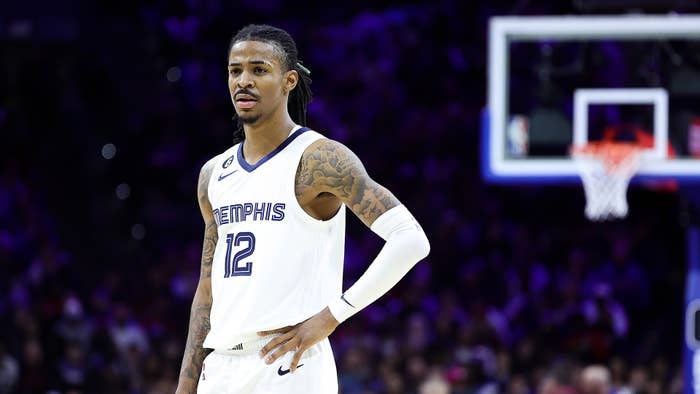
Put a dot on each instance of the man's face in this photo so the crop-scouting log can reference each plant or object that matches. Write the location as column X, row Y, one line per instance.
column 256, row 81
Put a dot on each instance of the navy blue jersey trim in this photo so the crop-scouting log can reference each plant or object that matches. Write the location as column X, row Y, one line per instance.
column 251, row 167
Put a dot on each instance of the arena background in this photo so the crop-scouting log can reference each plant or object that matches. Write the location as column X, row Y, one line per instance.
column 109, row 109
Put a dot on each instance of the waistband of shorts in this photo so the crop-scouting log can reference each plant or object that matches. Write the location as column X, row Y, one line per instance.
column 248, row 345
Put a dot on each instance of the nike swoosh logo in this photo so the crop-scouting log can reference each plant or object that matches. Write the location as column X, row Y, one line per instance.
column 225, row 175
column 282, row 372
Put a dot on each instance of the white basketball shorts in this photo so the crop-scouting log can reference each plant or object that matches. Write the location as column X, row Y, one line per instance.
column 242, row 371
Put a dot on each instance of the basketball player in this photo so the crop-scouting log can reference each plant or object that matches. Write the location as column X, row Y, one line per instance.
column 270, row 291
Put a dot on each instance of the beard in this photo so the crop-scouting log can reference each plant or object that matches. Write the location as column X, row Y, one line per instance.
column 249, row 118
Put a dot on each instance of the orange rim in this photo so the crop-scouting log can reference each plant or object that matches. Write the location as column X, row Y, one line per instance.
column 612, row 153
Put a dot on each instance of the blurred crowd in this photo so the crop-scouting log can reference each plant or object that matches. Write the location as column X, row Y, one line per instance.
column 107, row 117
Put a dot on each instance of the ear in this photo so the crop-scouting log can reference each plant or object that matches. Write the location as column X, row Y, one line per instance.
column 291, row 78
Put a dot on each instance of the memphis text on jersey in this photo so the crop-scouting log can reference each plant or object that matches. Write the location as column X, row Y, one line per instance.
column 237, row 213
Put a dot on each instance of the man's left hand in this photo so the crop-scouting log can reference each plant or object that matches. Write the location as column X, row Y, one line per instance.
column 298, row 338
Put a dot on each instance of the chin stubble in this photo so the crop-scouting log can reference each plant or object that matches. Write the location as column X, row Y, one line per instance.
column 249, row 119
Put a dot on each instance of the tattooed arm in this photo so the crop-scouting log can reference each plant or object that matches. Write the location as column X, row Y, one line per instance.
column 329, row 168
column 201, row 305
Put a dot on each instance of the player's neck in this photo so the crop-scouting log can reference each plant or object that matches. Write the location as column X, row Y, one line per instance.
column 263, row 137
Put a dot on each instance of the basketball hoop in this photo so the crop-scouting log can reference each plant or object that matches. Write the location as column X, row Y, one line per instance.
column 606, row 168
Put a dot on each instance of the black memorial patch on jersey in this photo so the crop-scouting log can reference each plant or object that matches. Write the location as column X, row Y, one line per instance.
column 228, row 162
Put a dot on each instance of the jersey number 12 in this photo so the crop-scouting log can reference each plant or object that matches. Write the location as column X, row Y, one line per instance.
column 234, row 267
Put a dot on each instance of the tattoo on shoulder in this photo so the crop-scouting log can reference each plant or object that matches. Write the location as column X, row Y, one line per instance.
column 203, row 185
column 332, row 167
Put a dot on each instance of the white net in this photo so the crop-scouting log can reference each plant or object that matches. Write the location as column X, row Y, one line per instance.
column 606, row 169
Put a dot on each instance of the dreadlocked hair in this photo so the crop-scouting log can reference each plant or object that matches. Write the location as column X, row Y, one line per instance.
column 301, row 95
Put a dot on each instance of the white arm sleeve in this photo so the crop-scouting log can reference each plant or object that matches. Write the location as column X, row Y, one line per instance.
column 406, row 244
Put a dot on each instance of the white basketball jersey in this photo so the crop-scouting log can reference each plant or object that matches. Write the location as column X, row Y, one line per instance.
column 274, row 265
